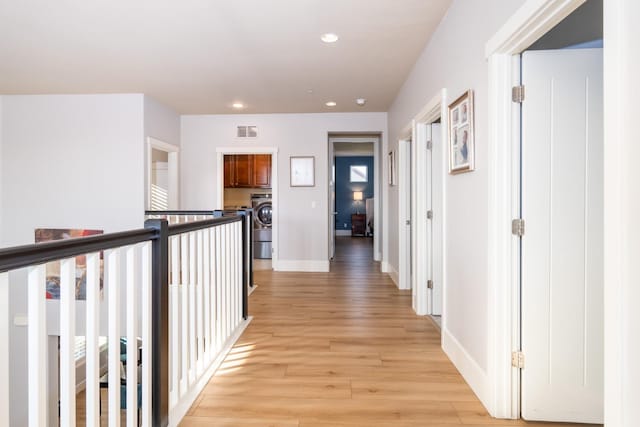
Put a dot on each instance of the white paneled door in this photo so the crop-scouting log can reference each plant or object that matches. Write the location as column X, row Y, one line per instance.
column 562, row 254
column 435, row 223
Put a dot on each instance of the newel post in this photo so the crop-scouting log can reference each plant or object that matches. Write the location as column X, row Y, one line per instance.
column 159, row 322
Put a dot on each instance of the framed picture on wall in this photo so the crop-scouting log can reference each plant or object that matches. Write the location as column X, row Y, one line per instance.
column 461, row 138
column 392, row 168
column 302, row 171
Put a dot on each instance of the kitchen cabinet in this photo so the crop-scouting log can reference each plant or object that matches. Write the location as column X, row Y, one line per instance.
column 247, row 171
column 262, row 170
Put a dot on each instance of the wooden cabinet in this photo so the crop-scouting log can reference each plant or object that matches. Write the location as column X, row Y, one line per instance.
column 247, row 171
column 358, row 224
column 262, row 170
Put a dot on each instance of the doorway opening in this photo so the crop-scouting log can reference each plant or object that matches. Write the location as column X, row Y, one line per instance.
column 428, row 209
column 405, row 198
column 248, row 179
column 162, row 176
column 548, row 178
column 354, row 196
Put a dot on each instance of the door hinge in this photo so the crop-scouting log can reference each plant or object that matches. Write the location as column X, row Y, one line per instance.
column 517, row 94
column 429, row 145
column 429, row 214
column 517, row 227
column 517, row 359
column 429, row 284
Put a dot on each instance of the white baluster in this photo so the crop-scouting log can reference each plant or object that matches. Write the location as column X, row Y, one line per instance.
column 174, row 332
column 92, row 352
column 184, row 299
column 206, row 268
column 219, row 278
column 38, row 354
column 199, row 302
column 147, row 343
column 192, row 308
column 113, row 290
column 224, row 303
column 67, row 342
column 4, row 348
column 133, row 274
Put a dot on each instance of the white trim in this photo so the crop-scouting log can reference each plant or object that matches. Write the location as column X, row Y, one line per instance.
column 275, row 224
column 404, row 259
column 419, row 235
column 4, row 349
column 385, row 267
column 178, row 412
column 173, row 165
column 473, row 374
column 343, row 233
column 393, row 274
column 622, row 234
column 319, row 266
column 376, row 140
column 534, row 19
column 433, row 110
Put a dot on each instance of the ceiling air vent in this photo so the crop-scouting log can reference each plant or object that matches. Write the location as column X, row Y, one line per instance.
column 247, row 132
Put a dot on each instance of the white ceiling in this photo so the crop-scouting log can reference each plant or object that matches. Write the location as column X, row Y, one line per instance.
column 200, row 56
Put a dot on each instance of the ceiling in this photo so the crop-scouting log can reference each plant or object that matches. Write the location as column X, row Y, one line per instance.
column 200, row 56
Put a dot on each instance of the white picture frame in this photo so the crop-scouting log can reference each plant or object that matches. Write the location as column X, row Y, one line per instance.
column 302, row 171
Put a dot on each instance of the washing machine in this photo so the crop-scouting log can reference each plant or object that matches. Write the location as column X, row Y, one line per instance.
column 262, row 214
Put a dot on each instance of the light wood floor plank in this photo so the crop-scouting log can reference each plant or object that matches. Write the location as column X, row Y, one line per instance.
column 338, row 349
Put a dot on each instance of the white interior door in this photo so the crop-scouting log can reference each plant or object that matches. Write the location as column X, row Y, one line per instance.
column 404, row 226
column 562, row 254
column 332, row 201
column 435, row 224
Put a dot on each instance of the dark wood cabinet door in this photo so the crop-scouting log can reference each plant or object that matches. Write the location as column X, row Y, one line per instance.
column 262, row 170
column 244, row 170
column 229, row 170
column 358, row 224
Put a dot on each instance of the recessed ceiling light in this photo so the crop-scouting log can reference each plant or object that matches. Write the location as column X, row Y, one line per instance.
column 331, row 104
column 329, row 38
column 238, row 105
column 361, row 101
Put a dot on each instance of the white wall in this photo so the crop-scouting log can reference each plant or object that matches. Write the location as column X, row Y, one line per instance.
column 454, row 59
column 622, row 210
column 67, row 161
column 303, row 230
column 161, row 122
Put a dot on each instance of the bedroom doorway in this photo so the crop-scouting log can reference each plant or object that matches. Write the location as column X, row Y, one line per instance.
column 353, row 192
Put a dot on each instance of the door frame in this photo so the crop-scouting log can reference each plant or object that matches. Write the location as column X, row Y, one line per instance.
column 173, row 171
column 220, row 152
column 404, row 260
column 435, row 109
column 374, row 138
column 529, row 23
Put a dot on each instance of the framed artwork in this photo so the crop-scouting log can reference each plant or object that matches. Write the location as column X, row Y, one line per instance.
column 53, row 268
column 302, row 171
column 392, row 168
column 461, row 138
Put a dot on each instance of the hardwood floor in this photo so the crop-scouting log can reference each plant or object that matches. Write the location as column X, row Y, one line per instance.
column 338, row 349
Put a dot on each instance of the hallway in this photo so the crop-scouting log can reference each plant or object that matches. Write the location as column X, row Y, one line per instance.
column 338, row 349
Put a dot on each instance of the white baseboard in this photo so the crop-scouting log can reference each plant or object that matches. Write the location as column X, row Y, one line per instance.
column 321, row 266
column 343, row 232
column 393, row 273
column 384, row 267
column 473, row 374
column 180, row 410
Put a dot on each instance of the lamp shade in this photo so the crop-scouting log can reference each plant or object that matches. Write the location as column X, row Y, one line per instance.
column 357, row 195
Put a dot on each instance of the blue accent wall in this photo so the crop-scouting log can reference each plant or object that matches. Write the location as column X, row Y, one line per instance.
column 345, row 205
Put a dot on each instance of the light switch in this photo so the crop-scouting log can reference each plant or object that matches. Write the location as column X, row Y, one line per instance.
column 314, row 204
